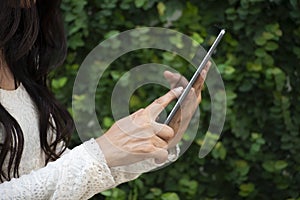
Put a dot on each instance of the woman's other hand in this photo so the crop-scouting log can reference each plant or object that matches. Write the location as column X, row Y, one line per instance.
column 181, row 120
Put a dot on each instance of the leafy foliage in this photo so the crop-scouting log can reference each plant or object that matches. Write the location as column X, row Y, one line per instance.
column 257, row 156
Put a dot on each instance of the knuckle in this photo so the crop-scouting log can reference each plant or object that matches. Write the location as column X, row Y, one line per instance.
column 165, row 145
column 147, row 126
column 192, row 90
column 140, row 112
column 170, row 132
column 165, row 153
column 145, row 148
column 162, row 155
column 199, row 97
column 192, row 93
column 159, row 100
column 148, row 148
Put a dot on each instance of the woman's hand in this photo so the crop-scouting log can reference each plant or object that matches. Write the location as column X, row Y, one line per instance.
column 138, row 136
column 181, row 120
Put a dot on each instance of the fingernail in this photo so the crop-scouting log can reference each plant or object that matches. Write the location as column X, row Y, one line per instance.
column 178, row 91
column 168, row 73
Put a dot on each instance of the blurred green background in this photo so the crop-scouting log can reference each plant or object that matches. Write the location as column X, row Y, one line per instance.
column 258, row 154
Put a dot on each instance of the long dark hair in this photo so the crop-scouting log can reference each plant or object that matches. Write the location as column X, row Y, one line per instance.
column 33, row 42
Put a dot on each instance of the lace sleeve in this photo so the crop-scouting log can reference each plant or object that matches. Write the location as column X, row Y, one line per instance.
column 126, row 173
column 122, row 174
column 79, row 174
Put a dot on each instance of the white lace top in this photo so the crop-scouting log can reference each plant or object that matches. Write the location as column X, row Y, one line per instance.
column 79, row 174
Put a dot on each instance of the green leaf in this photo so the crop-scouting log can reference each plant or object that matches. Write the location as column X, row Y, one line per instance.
column 156, row 191
column 256, row 67
column 135, row 101
column 267, row 35
column 161, row 8
column 173, row 10
column 242, row 13
column 107, row 193
column 219, row 151
column 59, row 83
column 245, row 86
column 139, row 3
column 111, row 33
column 69, row 17
column 246, row 189
column 268, row 60
column 170, row 196
column 230, row 11
column 280, row 165
column 238, row 25
column 272, row 31
column 272, row 27
column 268, row 166
column 260, row 41
column 229, row 70
column 115, row 75
column 230, row 95
column 255, row 148
column 260, row 52
column 242, row 167
column 279, row 77
column 76, row 41
column 176, row 40
column 198, row 38
column 296, row 51
column 107, row 122
column 168, row 56
column 271, row 46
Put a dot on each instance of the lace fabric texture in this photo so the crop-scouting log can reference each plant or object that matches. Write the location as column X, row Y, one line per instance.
column 79, row 174
column 19, row 105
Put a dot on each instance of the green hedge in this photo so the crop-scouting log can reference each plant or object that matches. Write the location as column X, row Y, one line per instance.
column 258, row 154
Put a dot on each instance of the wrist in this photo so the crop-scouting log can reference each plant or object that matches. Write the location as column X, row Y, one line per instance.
column 104, row 146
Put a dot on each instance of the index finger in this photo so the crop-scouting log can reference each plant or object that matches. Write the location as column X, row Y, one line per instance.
column 157, row 106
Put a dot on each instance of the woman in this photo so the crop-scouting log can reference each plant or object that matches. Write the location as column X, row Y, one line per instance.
column 35, row 128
